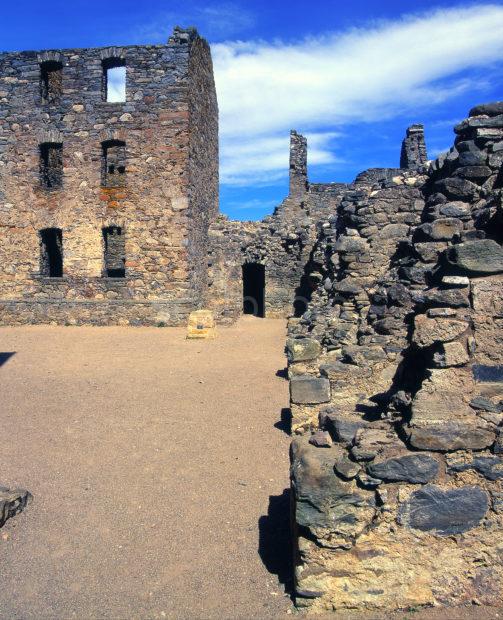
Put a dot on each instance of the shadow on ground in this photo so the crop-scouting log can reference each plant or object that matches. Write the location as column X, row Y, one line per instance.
column 283, row 373
column 275, row 545
column 5, row 357
column 285, row 422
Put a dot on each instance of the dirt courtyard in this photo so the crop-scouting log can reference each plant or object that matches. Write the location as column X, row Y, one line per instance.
column 158, row 475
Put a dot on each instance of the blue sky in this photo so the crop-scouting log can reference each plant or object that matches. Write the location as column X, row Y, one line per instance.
column 351, row 76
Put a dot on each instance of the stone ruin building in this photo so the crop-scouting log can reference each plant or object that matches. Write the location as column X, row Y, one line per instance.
column 392, row 286
column 105, row 205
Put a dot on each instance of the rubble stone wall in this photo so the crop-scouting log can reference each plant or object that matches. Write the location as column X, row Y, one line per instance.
column 396, row 383
column 169, row 124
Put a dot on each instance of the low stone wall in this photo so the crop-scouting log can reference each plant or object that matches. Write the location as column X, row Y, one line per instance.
column 91, row 312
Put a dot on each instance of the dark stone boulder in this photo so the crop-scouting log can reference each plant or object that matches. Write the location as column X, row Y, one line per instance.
column 458, row 189
column 444, row 511
column 483, row 256
column 413, row 468
column 487, row 109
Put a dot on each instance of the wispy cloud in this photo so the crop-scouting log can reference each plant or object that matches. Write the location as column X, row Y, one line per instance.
column 263, row 159
column 214, row 22
column 360, row 75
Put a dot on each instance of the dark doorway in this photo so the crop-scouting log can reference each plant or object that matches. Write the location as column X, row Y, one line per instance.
column 254, row 289
column 51, row 253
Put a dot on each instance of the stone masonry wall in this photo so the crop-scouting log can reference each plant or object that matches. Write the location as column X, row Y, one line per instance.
column 396, row 382
column 163, row 207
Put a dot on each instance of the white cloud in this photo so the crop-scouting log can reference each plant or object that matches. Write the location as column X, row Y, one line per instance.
column 360, row 75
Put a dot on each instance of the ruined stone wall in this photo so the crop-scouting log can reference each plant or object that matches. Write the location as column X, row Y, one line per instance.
column 396, row 386
column 282, row 242
column 160, row 204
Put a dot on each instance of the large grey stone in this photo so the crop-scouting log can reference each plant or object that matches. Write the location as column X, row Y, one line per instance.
column 482, row 256
column 447, row 435
column 444, row 511
column 306, row 390
column 414, row 468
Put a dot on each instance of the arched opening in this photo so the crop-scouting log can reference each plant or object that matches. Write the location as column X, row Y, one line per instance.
column 51, row 253
column 254, row 289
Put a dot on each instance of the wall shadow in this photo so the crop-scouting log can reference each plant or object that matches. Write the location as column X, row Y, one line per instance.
column 285, row 422
column 5, row 357
column 275, row 540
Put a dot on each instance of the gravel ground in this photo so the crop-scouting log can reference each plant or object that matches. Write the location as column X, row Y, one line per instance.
column 159, row 468
column 159, row 471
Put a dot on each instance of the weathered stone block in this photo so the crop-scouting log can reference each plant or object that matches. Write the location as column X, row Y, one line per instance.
column 413, row 468
column 201, row 325
column 428, row 331
column 451, row 354
column 447, row 435
column 302, row 349
column 306, row 390
column 445, row 511
column 483, row 256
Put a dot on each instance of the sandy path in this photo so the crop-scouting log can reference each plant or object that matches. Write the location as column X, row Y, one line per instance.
column 152, row 460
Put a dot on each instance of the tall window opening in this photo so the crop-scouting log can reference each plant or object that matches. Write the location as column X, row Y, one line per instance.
column 51, row 165
column 51, row 81
column 115, row 253
column 51, row 252
column 113, row 164
column 114, row 80
column 254, row 289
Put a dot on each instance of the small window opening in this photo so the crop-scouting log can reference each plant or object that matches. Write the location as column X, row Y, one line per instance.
column 51, row 165
column 114, row 80
column 51, row 81
column 113, row 168
column 115, row 254
column 254, row 289
column 51, row 252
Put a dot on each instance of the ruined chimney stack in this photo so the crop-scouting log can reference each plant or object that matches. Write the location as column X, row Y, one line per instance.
column 298, row 164
column 413, row 154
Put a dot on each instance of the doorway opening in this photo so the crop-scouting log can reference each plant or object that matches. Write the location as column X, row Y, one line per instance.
column 254, row 289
